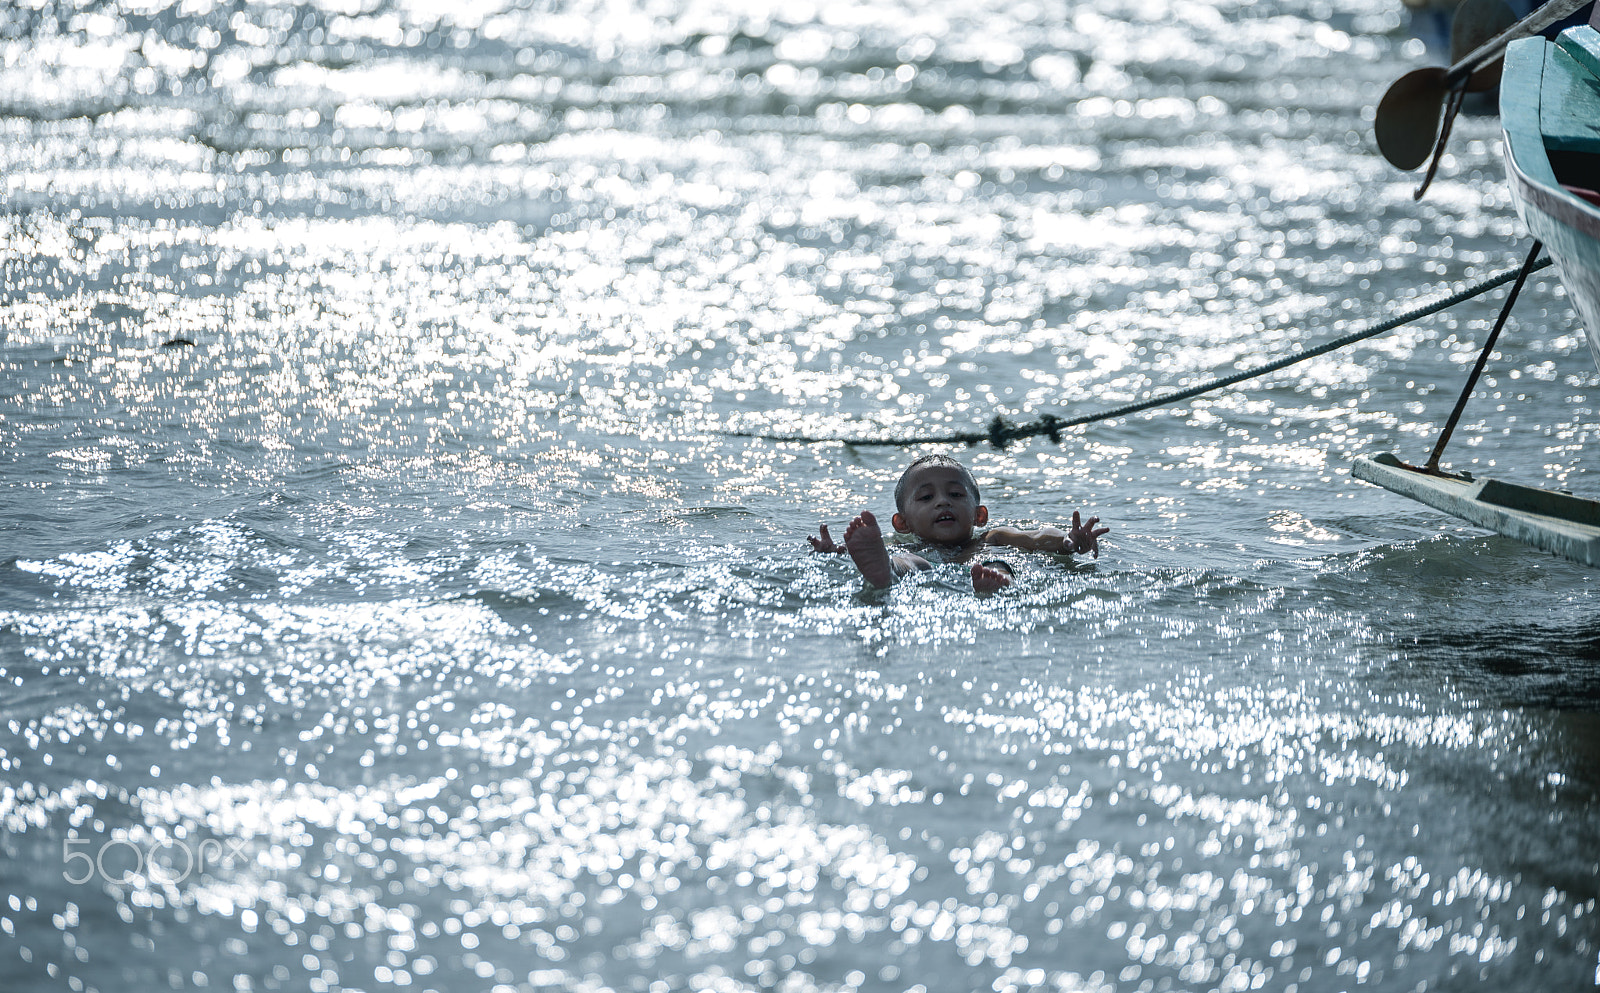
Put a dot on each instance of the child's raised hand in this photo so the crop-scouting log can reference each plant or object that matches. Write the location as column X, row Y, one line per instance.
column 1084, row 536
column 825, row 544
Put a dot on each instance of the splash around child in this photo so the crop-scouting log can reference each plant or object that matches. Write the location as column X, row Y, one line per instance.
column 937, row 502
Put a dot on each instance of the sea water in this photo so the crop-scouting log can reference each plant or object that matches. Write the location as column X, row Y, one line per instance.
column 392, row 597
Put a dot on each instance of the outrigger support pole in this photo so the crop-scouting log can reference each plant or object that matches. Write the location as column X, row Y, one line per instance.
column 1452, row 107
column 1483, row 357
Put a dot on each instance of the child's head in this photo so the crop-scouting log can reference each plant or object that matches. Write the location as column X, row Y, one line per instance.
column 937, row 500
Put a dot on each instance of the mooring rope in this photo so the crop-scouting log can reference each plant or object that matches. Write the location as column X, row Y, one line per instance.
column 1000, row 433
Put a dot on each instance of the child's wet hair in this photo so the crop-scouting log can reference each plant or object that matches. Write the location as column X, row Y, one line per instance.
column 934, row 459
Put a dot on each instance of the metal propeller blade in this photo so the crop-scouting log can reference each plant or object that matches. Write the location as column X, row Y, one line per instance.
column 1407, row 120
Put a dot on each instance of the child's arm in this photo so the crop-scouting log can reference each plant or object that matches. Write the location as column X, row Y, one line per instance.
column 1082, row 537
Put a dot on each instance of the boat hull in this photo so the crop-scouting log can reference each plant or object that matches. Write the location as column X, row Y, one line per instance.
column 1537, row 77
column 1573, row 248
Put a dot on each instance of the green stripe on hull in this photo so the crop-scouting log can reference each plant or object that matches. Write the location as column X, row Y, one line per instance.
column 1519, row 109
column 1583, row 44
column 1569, row 104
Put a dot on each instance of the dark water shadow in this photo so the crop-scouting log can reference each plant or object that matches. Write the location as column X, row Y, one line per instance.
column 1542, row 680
column 1547, row 666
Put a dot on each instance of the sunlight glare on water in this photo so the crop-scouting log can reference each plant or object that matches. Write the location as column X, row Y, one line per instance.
column 392, row 596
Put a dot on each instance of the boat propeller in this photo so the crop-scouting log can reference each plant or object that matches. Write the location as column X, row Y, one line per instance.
column 1412, row 122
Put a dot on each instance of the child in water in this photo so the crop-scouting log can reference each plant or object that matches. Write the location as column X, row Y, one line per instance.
column 936, row 500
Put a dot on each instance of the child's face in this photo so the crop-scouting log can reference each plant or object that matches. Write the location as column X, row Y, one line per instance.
column 939, row 507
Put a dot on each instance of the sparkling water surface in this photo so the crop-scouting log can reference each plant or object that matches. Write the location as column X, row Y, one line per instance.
column 388, row 599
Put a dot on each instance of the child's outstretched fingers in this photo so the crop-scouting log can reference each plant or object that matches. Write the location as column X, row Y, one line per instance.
column 1084, row 536
column 825, row 543
column 1094, row 534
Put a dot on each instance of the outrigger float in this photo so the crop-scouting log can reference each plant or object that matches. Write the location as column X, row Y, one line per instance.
column 1551, row 520
column 1550, row 113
